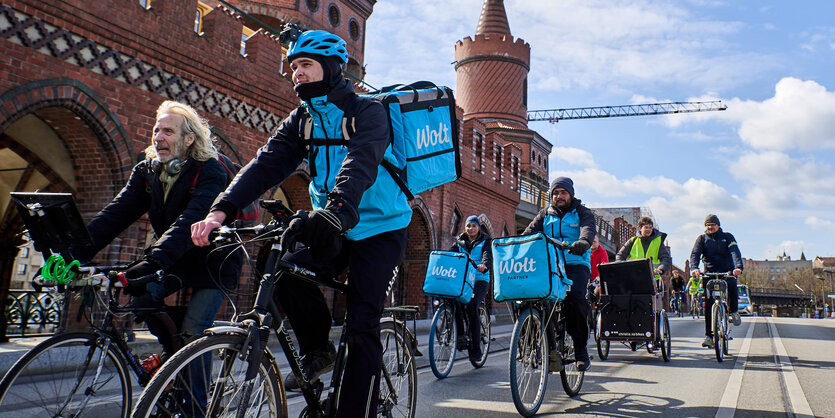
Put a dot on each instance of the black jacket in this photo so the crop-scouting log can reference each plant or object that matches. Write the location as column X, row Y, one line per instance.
column 663, row 253
column 463, row 244
column 171, row 221
column 285, row 150
column 719, row 252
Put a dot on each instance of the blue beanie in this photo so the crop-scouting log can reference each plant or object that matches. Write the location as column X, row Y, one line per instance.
column 473, row 219
column 563, row 183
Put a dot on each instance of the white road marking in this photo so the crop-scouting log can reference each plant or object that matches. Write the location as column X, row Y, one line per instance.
column 797, row 399
column 727, row 406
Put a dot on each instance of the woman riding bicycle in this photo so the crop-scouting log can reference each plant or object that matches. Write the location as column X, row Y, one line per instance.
column 476, row 244
column 359, row 221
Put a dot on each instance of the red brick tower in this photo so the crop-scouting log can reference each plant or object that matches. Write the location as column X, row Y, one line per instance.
column 493, row 69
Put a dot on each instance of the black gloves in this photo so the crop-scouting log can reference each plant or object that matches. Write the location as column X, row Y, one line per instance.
column 135, row 272
column 579, row 247
column 321, row 230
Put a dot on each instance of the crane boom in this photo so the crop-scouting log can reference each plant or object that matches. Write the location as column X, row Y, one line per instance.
column 556, row 115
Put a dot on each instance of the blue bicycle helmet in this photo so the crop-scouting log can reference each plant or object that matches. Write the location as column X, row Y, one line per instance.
column 319, row 42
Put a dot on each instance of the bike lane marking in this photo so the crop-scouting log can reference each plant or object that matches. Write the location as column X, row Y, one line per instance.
column 727, row 406
column 797, row 399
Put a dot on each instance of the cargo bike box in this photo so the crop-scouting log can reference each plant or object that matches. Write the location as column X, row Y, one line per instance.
column 628, row 311
column 528, row 267
column 449, row 275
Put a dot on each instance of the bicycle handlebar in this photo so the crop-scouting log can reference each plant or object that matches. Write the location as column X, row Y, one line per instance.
column 563, row 245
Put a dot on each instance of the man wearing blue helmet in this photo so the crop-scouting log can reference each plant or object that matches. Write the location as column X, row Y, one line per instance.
column 359, row 221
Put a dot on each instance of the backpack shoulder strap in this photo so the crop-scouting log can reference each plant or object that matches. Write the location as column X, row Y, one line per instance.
column 196, row 176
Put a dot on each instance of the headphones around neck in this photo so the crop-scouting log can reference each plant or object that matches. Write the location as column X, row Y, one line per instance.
column 172, row 167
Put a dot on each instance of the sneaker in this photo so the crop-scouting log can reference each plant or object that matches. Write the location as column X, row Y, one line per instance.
column 314, row 364
column 554, row 361
column 583, row 360
column 475, row 354
column 708, row 342
column 736, row 319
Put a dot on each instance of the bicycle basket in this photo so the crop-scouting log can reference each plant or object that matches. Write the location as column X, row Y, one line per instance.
column 449, row 275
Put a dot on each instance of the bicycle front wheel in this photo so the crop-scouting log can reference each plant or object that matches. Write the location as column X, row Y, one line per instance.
column 68, row 375
column 442, row 341
column 717, row 315
column 208, row 378
column 528, row 362
column 485, row 336
column 570, row 375
column 398, row 385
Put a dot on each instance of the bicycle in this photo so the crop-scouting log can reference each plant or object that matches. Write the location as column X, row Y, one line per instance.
column 540, row 345
column 80, row 372
column 718, row 289
column 239, row 373
column 443, row 336
column 677, row 302
column 592, row 295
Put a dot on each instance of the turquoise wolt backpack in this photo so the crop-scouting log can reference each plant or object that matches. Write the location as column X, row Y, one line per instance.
column 424, row 134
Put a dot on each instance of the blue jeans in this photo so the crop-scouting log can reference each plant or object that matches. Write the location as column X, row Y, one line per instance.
column 200, row 313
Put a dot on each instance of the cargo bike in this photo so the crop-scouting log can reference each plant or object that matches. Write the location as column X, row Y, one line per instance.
column 529, row 273
column 630, row 312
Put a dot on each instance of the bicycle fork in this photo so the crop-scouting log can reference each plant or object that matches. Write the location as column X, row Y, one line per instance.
column 90, row 390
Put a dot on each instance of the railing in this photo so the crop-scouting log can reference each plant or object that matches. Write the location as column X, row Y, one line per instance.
column 31, row 313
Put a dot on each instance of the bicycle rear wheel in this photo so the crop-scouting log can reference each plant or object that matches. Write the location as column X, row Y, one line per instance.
column 67, row 375
column 528, row 362
column 398, row 385
column 602, row 345
column 485, row 336
column 666, row 343
column 207, row 378
column 443, row 338
column 570, row 375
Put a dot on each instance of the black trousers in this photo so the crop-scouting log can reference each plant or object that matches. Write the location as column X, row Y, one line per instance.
column 372, row 262
column 733, row 302
column 471, row 310
column 577, row 307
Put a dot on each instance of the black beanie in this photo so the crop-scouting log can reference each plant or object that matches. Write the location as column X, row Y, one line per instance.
column 563, row 183
column 712, row 219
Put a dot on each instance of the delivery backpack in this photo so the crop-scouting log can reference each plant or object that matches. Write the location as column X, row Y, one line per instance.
column 249, row 213
column 424, row 134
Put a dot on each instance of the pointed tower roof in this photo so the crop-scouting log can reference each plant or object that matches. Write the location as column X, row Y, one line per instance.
column 802, row 255
column 493, row 18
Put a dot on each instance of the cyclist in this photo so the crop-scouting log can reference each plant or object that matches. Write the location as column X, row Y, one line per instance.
column 651, row 246
column 477, row 245
column 175, row 185
column 598, row 256
column 359, row 221
column 567, row 219
column 694, row 288
column 720, row 253
column 677, row 283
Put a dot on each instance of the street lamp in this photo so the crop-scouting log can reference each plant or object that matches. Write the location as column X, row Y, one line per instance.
column 801, row 289
column 823, row 297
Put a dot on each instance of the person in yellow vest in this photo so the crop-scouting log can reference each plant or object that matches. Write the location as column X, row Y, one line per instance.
column 694, row 288
column 649, row 243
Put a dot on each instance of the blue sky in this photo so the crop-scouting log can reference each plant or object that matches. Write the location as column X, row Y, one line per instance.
column 765, row 166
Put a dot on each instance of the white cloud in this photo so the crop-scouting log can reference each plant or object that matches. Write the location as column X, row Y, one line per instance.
column 574, row 156
column 818, row 223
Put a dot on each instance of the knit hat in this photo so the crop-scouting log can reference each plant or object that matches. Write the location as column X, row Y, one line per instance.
column 712, row 219
column 473, row 219
column 563, row 183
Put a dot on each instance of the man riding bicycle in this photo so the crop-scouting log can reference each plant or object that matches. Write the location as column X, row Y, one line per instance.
column 677, row 283
column 175, row 185
column 477, row 245
column 649, row 243
column 567, row 219
column 359, row 221
column 720, row 253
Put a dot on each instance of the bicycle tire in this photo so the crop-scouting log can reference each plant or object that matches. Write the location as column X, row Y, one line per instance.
column 570, row 376
column 55, row 366
column 168, row 392
column 602, row 345
column 485, row 335
column 718, row 339
column 443, row 340
column 528, row 357
column 666, row 344
column 399, row 369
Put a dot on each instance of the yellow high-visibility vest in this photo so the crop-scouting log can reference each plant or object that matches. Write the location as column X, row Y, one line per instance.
column 637, row 251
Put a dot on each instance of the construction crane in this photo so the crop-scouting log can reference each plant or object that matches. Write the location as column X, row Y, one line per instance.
column 556, row 115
